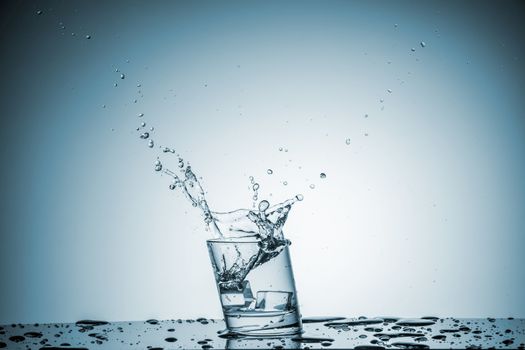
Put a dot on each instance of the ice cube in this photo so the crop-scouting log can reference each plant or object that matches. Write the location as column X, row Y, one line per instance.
column 238, row 298
column 273, row 300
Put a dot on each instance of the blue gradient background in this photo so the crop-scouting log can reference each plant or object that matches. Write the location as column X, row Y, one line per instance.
column 425, row 215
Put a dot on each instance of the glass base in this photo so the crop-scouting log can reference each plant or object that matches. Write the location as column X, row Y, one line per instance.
column 264, row 323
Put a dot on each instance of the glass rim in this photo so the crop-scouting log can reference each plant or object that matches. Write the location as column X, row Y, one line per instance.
column 229, row 240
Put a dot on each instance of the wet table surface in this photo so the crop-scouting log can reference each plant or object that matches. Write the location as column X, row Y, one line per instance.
column 319, row 333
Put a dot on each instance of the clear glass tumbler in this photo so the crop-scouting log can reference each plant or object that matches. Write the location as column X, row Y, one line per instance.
column 256, row 289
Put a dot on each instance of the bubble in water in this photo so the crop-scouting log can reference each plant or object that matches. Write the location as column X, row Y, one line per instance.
column 141, row 115
column 347, row 141
column 122, row 76
column 39, row 12
column 280, row 149
column 255, row 186
column 413, row 49
column 88, row 36
column 172, row 186
column 151, row 144
column 158, row 165
column 264, row 205
column 322, row 176
column 423, row 44
column 389, row 91
column 143, row 124
column 181, row 163
column 299, row 197
column 285, row 183
column 144, row 135
column 251, row 178
column 312, row 186
column 269, row 171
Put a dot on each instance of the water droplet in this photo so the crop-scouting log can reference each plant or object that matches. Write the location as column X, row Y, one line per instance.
column 158, row 165
column 347, row 141
column 312, row 186
column 151, row 144
column 88, row 36
column 264, row 205
column 322, row 176
column 122, row 76
column 144, row 135
column 269, row 171
column 423, row 44
column 141, row 115
column 255, row 186
column 39, row 12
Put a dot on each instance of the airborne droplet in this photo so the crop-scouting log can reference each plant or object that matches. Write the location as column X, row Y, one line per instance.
column 158, row 165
